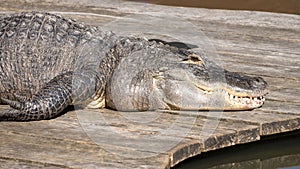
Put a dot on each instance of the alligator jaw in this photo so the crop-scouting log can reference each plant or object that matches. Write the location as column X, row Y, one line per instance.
column 243, row 103
column 235, row 100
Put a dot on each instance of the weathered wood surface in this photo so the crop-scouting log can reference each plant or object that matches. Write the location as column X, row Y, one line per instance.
column 265, row 44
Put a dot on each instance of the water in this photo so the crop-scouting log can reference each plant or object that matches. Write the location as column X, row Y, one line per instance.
column 282, row 6
column 271, row 153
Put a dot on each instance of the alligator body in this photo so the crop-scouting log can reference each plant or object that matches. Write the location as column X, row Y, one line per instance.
column 48, row 62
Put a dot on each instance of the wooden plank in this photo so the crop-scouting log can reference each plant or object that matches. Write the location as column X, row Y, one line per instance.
column 188, row 130
column 66, row 129
column 252, row 42
column 270, row 123
column 14, row 163
column 286, row 95
column 281, row 107
column 188, row 144
column 184, row 132
column 184, row 151
column 266, row 67
column 276, row 49
column 67, row 153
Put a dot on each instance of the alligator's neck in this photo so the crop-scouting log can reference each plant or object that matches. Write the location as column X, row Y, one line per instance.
column 114, row 49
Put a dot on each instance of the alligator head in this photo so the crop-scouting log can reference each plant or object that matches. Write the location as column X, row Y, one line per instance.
column 164, row 77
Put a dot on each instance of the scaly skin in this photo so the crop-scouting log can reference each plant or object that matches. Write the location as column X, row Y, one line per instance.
column 40, row 55
column 165, row 77
column 48, row 62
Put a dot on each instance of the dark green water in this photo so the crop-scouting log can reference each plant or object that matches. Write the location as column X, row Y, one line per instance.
column 282, row 152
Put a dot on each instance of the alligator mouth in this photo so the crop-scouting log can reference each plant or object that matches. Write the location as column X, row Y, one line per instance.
column 237, row 100
column 245, row 102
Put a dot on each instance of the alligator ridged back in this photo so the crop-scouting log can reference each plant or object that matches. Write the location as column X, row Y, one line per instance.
column 35, row 47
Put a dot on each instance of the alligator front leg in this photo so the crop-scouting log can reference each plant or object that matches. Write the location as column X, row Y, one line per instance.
column 52, row 99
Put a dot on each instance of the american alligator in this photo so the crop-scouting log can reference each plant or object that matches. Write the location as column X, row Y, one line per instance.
column 49, row 62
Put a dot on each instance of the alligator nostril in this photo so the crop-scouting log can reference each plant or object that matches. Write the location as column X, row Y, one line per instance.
column 259, row 80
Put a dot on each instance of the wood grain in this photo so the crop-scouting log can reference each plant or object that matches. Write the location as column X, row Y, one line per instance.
column 256, row 43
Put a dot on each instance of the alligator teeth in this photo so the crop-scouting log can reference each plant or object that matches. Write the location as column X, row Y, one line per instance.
column 230, row 96
column 247, row 100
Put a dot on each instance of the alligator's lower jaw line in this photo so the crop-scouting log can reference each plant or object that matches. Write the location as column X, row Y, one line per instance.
column 244, row 103
column 240, row 101
column 237, row 101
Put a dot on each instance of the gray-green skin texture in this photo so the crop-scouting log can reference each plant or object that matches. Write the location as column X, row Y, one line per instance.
column 48, row 62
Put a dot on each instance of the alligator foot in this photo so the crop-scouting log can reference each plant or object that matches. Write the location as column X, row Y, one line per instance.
column 63, row 90
column 48, row 103
column 10, row 114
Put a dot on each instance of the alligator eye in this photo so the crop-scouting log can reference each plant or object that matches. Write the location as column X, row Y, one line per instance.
column 194, row 59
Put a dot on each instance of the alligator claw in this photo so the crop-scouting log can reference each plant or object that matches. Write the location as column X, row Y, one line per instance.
column 8, row 114
column 13, row 104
